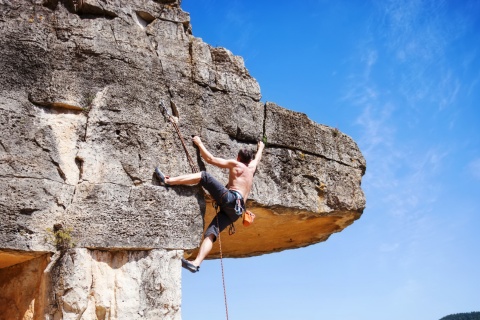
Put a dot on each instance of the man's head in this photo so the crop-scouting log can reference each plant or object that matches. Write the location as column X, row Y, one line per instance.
column 246, row 155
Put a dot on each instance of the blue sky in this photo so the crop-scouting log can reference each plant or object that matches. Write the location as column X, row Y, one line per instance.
column 402, row 78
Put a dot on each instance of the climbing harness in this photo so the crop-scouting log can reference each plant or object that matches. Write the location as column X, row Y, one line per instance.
column 214, row 203
column 175, row 125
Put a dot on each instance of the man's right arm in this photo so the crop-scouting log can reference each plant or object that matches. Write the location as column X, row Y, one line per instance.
column 209, row 158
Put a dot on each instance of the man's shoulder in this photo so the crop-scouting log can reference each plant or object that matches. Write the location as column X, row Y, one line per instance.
column 237, row 165
column 233, row 163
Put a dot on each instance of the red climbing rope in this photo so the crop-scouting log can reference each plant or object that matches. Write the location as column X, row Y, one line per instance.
column 175, row 125
column 215, row 205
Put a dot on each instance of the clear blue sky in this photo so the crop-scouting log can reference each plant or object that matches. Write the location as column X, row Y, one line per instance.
column 402, row 78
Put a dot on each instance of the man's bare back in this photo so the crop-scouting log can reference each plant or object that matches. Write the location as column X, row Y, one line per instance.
column 240, row 179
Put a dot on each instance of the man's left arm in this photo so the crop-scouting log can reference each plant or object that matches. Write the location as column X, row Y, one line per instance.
column 258, row 156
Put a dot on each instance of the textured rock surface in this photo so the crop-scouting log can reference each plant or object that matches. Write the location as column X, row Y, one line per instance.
column 96, row 284
column 23, row 289
column 82, row 131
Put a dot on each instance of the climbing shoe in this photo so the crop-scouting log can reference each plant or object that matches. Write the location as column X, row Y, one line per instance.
column 189, row 266
column 160, row 176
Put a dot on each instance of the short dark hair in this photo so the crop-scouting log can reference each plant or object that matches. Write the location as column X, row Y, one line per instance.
column 246, row 155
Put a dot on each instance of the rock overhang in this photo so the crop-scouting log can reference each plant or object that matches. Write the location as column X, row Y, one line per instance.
column 85, row 133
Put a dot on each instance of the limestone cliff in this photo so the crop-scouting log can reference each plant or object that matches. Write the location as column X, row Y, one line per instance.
column 82, row 131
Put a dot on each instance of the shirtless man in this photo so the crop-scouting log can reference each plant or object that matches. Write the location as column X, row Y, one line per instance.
column 231, row 198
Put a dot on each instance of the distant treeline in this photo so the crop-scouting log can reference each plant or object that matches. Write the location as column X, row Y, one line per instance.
column 463, row 316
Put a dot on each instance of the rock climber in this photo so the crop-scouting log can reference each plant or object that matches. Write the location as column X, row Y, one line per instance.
column 230, row 198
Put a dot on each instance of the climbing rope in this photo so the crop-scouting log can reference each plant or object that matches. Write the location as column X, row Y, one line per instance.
column 215, row 205
column 175, row 125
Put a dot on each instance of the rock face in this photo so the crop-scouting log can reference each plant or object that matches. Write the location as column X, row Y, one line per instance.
column 23, row 289
column 108, row 285
column 82, row 132
column 93, row 284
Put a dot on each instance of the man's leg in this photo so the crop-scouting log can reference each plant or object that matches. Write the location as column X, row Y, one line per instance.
column 211, row 234
column 192, row 178
column 204, row 250
column 216, row 189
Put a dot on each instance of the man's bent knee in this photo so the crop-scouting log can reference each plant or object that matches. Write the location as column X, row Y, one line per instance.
column 212, row 233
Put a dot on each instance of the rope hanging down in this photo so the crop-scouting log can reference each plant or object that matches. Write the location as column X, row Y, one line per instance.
column 195, row 169
column 215, row 205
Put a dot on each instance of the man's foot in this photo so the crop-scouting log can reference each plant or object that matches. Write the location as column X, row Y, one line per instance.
column 189, row 266
column 160, row 176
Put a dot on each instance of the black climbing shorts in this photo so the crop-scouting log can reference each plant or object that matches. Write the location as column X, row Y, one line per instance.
column 226, row 199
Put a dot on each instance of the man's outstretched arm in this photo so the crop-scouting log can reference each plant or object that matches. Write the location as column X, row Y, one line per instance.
column 258, row 155
column 209, row 158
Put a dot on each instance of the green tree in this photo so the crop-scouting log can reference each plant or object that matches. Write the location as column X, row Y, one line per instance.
column 463, row 316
